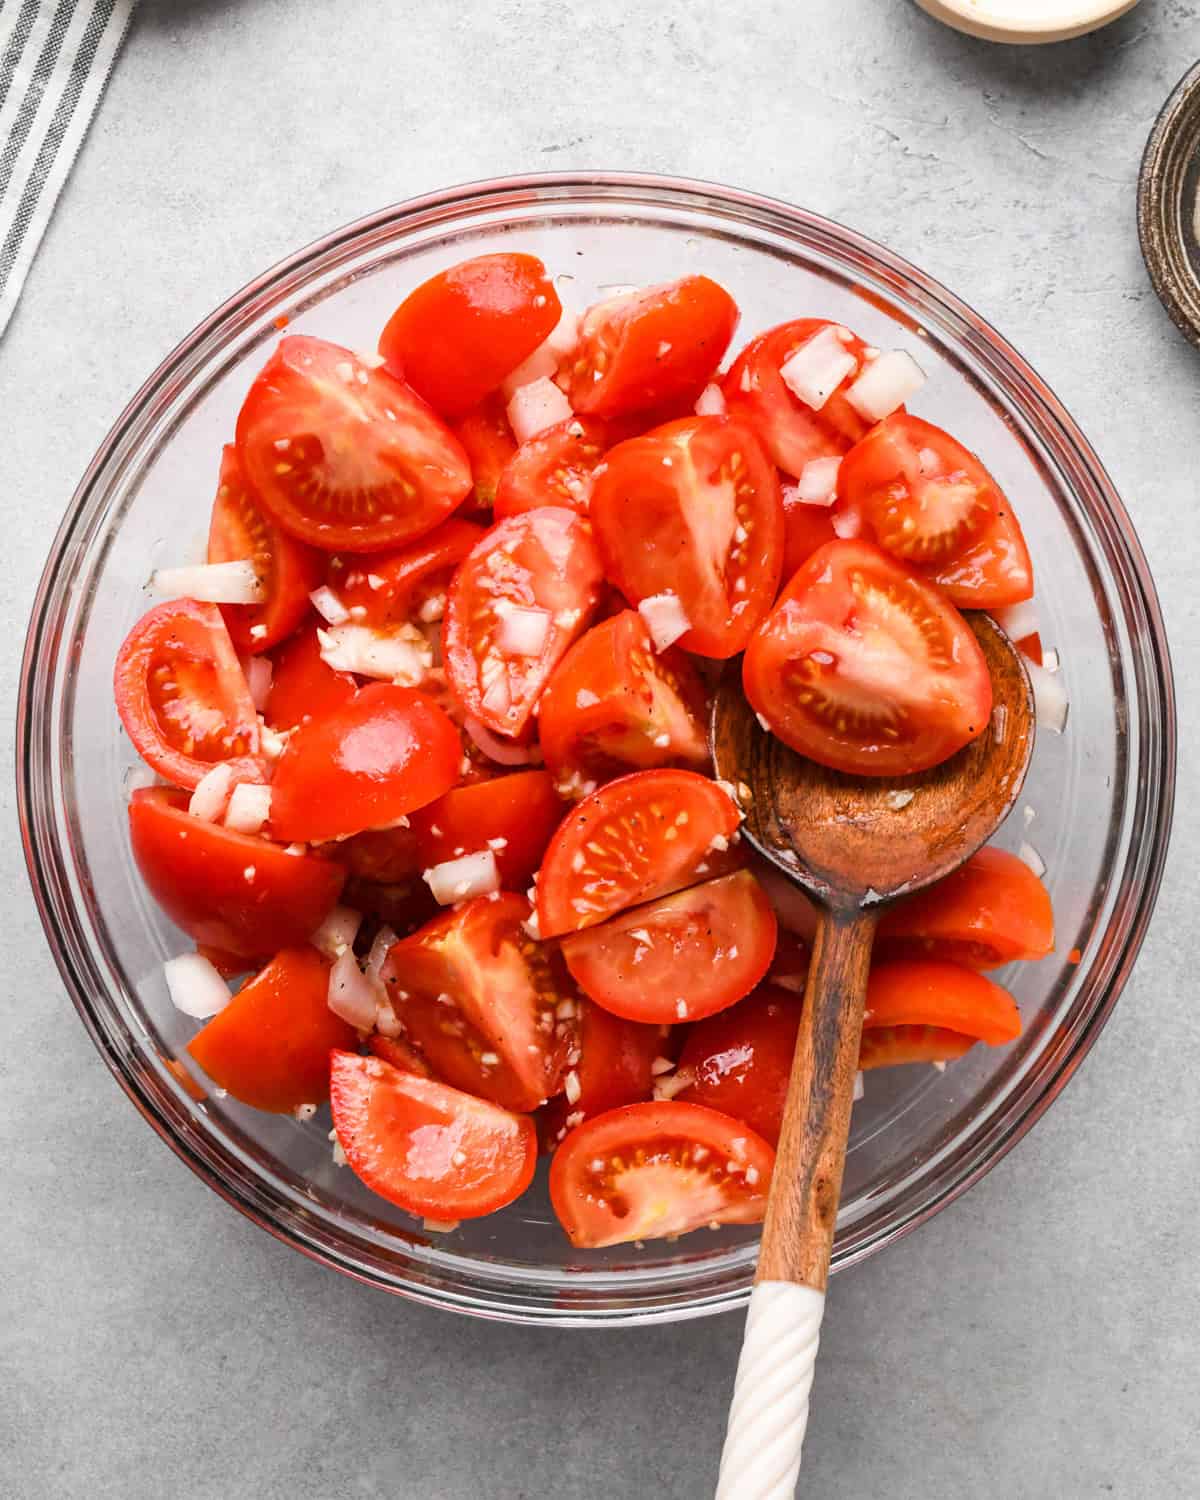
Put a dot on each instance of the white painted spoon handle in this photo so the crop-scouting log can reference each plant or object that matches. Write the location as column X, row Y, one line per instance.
column 769, row 1411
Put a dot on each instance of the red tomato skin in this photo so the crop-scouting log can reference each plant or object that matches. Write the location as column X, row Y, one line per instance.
column 193, row 637
column 741, row 1059
column 553, row 468
column 302, row 685
column 652, row 348
column 287, row 568
column 922, row 992
column 457, row 336
column 384, row 753
column 196, row 872
column 616, row 1067
column 387, row 587
column 270, row 1046
column 805, row 529
column 488, row 442
column 891, row 1046
column 521, row 809
column 385, row 1118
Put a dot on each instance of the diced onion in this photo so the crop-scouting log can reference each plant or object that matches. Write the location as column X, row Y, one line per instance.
column 671, row 1084
column 817, row 483
column 711, row 402
column 461, row 879
column 337, row 932
column 503, row 752
column 249, row 807
column 885, row 384
column 521, row 631
column 1017, row 620
column 351, row 994
column 211, row 797
column 385, row 941
column 928, row 462
column 401, row 655
column 859, row 1089
column 212, row 583
column 817, row 368
column 1029, row 856
column 665, row 619
column 497, row 699
column 846, row 524
column 195, row 986
column 1049, row 698
column 258, row 680
column 534, row 407
column 329, row 606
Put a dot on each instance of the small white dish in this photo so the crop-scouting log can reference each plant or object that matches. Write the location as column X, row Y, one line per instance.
column 1026, row 21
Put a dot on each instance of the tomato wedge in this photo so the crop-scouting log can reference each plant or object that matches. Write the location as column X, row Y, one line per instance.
column 650, row 348
column 930, row 502
column 182, row 696
column 514, row 816
column 554, row 468
column 270, row 1046
column 890, row 1046
column 400, row 1053
column 390, row 856
column 680, row 957
column 488, row 442
column 516, row 604
column 793, row 433
column 614, row 705
column 616, row 1067
column 385, row 752
column 637, row 838
column 649, row 1171
column 741, row 1060
column 864, row 667
column 805, row 528
column 481, row 1000
column 694, row 509
column 427, row 1148
column 461, row 332
column 286, row 568
column 343, row 455
column 922, row 992
column 229, row 890
column 385, row 589
column 991, row 911
column 303, row 685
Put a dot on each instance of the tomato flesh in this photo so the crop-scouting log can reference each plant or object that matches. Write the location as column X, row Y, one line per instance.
column 923, row 992
column 514, row 816
column 488, row 442
column 616, row 1067
column 637, row 838
column 424, row 1146
column 694, row 509
column 741, row 1060
column 648, row 1171
column 554, row 468
column 303, row 685
column 182, row 696
column 680, row 957
column 400, row 1053
column 863, row 667
column 386, row 589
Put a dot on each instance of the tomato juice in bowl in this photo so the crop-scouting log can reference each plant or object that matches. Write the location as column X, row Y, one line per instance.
column 919, row 1136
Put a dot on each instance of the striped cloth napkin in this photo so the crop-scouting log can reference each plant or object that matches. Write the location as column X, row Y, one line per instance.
column 55, row 56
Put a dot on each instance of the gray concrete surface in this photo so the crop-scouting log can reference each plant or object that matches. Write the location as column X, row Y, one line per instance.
column 1041, row 1338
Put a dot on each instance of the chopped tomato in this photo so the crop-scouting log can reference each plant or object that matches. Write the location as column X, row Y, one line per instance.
column 921, row 992
column 792, row 432
column 343, row 455
column 286, row 568
column 637, row 838
column 182, row 695
column 516, row 604
column 741, row 1060
column 553, row 468
column 513, row 816
column 384, row 753
column 694, row 509
column 481, row 999
column 679, row 957
column 488, row 442
column 616, row 1066
column 385, row 589
column 403, row 905
column 649, row 1171
column 400, row 1053
column 991, row 911
column 228, row 965
column 387, row 855
column 303, row 685
column 461, row 332
column 651, row 348
column 1031, row 646
column 270, row 1046
column 426, row 1147
column 889, row 1046
column 805, row 528
column 228, row 890
column 864, row 667
column 930, row 502
column 613, row 705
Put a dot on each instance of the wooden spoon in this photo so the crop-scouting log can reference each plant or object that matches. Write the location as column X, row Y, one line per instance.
column 853, row 845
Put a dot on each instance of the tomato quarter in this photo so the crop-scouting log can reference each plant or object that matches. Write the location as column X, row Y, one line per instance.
column 303, row 685
column 488, row 442
column 921, row 992
column 514, row 816
column 553, row 468
column 386, row 589
column 741, row 1060
column 891, row 1046
column 616, row 1067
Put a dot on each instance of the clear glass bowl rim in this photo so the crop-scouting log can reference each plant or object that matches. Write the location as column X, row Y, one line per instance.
column 47, row 852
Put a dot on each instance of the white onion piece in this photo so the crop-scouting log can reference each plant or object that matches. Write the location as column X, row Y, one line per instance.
column 329, row 606
column 711, row 402
column 385, row 941
column 859, row 1089
column 665, row 619
column 521, row 631
column 497, row 699
column 1050, row 660
column 817, row 483
column 195, row 986
column 503, row 752
column 211, row 583
column 1017, row 620
column 817, row 368
column 885, row 384
column 461, row 879
column 534, row 407
column 337, row 932
column 670, row 1084
column 928, row 462
column 563, row 337
column 1049, row 698
column 249, row 807
column 211, row 797
column 401, row 655
column 847, row 524
column 351, row 994
column 258, row 679
column 1028, row 855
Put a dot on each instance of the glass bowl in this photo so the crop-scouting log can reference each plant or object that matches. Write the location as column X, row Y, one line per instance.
column 1099, row 797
